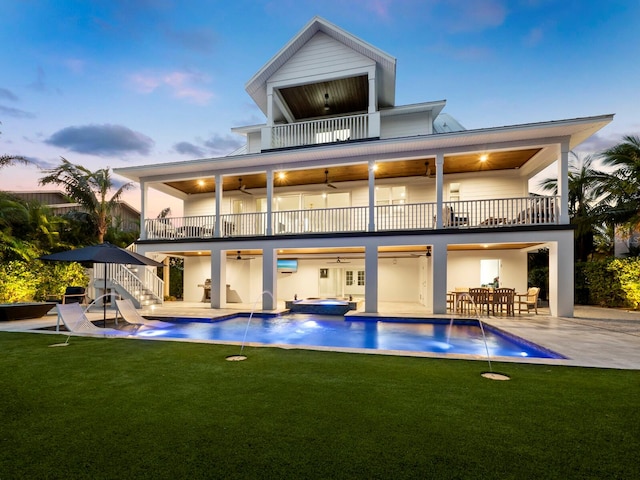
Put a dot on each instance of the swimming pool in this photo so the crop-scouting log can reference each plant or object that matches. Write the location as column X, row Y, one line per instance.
column 411, row 335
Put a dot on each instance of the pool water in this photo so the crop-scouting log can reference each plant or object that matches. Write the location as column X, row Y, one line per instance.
column 413, row 335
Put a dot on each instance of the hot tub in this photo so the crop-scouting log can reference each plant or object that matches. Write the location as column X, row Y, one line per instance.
column 324, row 306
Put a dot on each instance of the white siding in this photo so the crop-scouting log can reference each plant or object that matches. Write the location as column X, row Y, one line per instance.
column 253, row 142
column 320, row 56
column 463, row 268
column 203, row 204
column 481, row 186
column 405, row 125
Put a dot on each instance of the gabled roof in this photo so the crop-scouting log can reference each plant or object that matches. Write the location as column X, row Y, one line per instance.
column 256, row 87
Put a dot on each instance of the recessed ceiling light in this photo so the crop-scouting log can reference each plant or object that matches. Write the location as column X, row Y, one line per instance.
column 484, row 157
column 281, row 175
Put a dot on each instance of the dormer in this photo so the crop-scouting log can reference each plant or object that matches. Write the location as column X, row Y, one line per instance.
column 326, row 86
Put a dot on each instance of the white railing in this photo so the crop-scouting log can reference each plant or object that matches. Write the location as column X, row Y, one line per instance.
column 412, row 216
column 352, row 127
column 321, row 220
column 501, row 212
column 125, row 281
column 199, row 226
column 243, row 224
column 505, row 212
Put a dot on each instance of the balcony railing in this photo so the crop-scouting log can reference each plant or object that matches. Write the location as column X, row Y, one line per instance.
column 353, row 127
column 497, row 213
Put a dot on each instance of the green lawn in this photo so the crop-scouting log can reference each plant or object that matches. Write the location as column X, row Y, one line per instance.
column 116, row 408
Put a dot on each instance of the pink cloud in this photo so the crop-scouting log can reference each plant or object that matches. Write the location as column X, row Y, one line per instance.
column 183, row 85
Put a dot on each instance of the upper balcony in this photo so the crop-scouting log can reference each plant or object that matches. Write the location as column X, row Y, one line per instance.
column 459, row 215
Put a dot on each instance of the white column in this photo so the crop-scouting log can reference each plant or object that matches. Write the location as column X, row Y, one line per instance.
column 563, row 182
column 217, row 232
column 371, row 279
column 144, row 192
column 372, row 196
column 439, row 279
column 373, row 92
column 269, row 201
column 439, row 188
column 269, row 278
column 561, row 276
column 218, row 278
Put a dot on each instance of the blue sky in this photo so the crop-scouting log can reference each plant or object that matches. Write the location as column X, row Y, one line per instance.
column 112, row 83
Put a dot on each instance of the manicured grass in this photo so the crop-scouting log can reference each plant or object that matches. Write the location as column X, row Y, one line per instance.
column 114, row 408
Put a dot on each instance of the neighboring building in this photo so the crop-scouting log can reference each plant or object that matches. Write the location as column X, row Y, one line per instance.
column 124, row 215
column 357, row 190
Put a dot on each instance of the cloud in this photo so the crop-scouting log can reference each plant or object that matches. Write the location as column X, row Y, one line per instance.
column 15, row 112
column 216, row 146
column 219, row 145
column 598, row 143
column 476, row 15
column 8, row 95
column 101, row 140
column 467, row 52
column 183, row 85
column 187, row 148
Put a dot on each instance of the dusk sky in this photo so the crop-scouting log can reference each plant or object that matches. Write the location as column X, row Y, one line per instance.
column 112, row 83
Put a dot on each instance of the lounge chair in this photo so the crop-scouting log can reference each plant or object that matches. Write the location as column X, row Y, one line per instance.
column 76, row 321
column 131, row 315
column 529, row 299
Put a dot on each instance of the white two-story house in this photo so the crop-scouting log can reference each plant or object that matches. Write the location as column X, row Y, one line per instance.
column 343, row 193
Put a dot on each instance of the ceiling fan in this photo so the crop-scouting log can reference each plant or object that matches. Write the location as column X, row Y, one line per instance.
column 326, row 180
column 243, row 188
column 428, row 172
column 240, row 257
column 339, row 260
column 426, row 254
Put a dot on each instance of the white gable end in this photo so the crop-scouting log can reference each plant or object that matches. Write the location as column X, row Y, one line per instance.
column 321, row 57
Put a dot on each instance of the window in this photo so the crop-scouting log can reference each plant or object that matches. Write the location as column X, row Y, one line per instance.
column 391, row 195
column 360, row 277
column 454, row 192
column 349, row 277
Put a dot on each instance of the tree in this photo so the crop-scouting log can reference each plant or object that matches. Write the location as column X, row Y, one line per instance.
column 89, row 189
column 6, row 160
column 623, row 185
column 585, row 190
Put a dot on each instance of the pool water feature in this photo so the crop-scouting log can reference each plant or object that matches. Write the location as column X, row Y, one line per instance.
column 464, row 337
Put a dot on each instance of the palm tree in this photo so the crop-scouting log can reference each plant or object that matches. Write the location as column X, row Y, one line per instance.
column 623, row 184
column 6, row 160
column 585, row 191
column 89, row 189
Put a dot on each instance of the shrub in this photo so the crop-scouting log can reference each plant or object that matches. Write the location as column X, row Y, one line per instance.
column 627, row 271
column 29, row 281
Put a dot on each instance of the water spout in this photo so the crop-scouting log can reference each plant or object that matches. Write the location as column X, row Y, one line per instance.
column 240, row 356
column 468, row 298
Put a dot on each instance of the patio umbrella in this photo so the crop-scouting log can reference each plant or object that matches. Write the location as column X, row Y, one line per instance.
column 105, row 253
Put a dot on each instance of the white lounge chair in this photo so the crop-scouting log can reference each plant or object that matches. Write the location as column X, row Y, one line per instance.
column 131, row 315
column 76, row 321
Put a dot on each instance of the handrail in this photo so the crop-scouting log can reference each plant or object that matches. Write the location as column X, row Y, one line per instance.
column 326, row 130
column 490, row 213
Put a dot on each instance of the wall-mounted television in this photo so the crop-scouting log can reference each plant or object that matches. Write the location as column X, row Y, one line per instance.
column 286, row 265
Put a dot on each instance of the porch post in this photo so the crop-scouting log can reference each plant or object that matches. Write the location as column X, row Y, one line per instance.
column 269, row 278
column 218, row 278
column 439, row 280
column 439, row 189
column 144, row 191
column 563, row 181
column 372, row 196
column 561, row 276
column 269, row 201
column 166, row 276
column 218, row 203
column 371, row 279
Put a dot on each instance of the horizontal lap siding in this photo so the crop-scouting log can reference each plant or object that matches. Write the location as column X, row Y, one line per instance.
column 487, row 188
column 320, row 56
column 408, row 125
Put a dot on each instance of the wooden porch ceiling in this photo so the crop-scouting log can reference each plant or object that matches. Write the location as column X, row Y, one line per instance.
column 500, row 160
column 358, row 252
column 345, row 96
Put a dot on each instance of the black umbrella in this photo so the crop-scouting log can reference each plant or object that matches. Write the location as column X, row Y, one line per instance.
column 103, row 253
